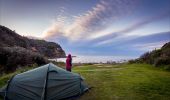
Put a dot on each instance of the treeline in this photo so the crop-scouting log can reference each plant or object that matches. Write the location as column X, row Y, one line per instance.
column 159, row 57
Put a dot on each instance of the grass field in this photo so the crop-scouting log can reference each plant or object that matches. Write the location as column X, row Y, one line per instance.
column 125, row 82
column 120, row 82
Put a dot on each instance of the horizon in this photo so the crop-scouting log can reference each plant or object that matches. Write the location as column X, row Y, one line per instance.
column 117, row 28
column 96, row 59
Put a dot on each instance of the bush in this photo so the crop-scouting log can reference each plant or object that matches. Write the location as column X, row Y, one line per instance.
column 131, row 61
column 162, row 61
column 159, row 57
column 135, row 61
column 145, row 57
column 167, row 67
column 13, row 57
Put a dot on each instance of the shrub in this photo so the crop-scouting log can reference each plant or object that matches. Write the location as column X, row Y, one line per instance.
column 157, row 57
column 167, row 67
column 145, row 57
column 162, row 61
column 13, row 57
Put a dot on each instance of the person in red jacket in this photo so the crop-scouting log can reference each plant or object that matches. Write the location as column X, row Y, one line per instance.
column 69, row 62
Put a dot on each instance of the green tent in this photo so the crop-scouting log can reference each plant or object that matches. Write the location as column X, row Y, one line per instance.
column 47, row 82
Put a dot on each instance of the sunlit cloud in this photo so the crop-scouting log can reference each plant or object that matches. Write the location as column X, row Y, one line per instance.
column 96, row 23
column 93, row 21
column 92, row 27
column 97, row 27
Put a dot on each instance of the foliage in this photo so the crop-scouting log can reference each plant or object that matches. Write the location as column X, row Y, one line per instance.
column 159, row 57
column 14, row 57
column 162, row 61
column 17, row 51
column 5, row 77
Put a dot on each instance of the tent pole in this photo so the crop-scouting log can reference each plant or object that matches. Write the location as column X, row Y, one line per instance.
column 45, row 93
column 43, row 97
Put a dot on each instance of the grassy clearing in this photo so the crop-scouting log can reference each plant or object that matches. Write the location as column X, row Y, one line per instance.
column 119, row 82
column 125, row 82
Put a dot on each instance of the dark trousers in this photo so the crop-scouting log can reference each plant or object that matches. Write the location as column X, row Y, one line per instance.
column 69, row 70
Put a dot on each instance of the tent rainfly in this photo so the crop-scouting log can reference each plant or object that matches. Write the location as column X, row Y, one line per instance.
column 47, row 82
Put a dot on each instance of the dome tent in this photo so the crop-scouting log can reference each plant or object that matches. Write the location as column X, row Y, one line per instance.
column 47, row 82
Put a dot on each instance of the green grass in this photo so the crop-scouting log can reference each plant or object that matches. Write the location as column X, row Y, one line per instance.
column 125, row 82
column 4, row 78
column 119, row 82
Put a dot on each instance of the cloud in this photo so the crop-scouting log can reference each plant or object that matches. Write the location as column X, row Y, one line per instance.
column 149, row 46
column 92, row 26
column 128, row 40
column 94, row 20
column 126, row 33
column 146, row 21
column 57, row 28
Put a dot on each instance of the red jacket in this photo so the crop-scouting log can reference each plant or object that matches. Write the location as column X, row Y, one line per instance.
column 68, row 63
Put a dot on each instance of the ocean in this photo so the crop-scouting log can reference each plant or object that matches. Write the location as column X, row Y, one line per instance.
column 96, row 59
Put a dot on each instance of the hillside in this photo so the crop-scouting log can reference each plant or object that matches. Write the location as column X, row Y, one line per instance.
column 159, row 57
column 9, row 38
column 17, row 51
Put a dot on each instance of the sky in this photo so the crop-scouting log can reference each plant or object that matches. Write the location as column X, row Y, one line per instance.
column 120, row 28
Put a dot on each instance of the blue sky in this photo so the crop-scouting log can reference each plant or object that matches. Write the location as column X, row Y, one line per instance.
column 92, row 27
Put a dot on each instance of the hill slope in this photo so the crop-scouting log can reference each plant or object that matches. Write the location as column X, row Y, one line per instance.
column 157, row 57
column 18, row 51
column 9, row 38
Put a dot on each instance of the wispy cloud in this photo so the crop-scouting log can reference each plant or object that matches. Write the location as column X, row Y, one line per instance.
column 124, row 33
column 149, row 46
column 92, row 26
column 57, row 28
column 96, row 19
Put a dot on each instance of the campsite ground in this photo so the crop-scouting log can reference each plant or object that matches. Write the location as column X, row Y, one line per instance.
column 120, row 82
column 125, row 82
